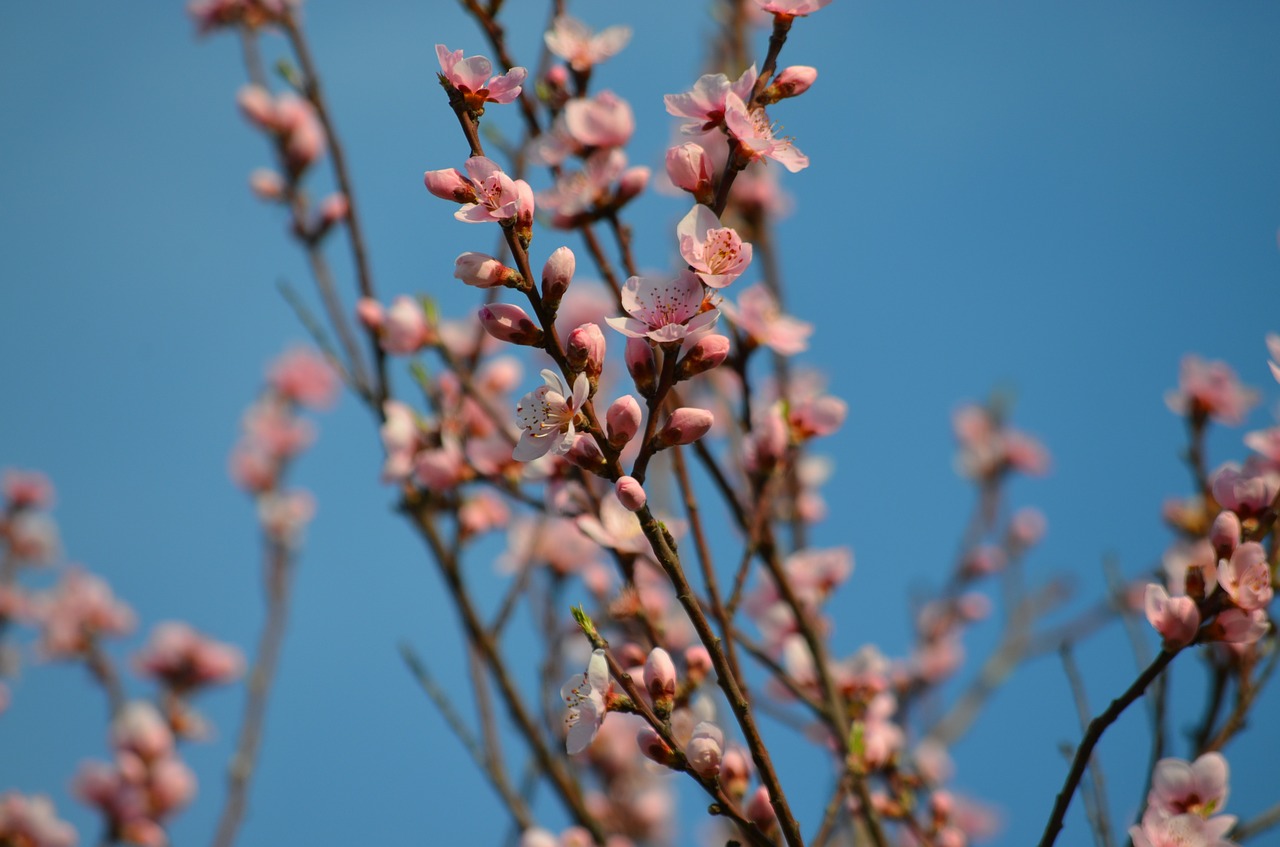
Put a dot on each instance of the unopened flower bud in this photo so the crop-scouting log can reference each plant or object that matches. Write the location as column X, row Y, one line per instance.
column 623, row 420
column 506, row 322
column 941, row 803
column 334, row 208
column 698, row 662
column 704, row 750
column 1225, row 534
column 630, row 493
column 708, row 353
column 557, row 273
column 523, row 228
column 735, row 773
column 632, row 182
column 585, row 453
column 684, row 426
column 257, row 105
column 484, row 271
column 584, row 349
column 688, row 168
column 558, row 75
column 790, row 82
column 641, row 365
column 760, row 811
column 370, row 313
column 405, row 330
column 660, row 677
column 653, row 747
column 267, row 184
column 450, row 184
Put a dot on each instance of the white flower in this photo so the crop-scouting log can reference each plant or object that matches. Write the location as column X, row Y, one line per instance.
column 545, row 416
column 585, row 695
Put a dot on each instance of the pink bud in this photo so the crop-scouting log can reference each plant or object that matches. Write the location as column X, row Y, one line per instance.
column 267, row 184
column 708, row 353
column 790, row 82
column 334, row 208
column 685, row 426
column 139, row 729
column 585, row 453
column 704, row 750
column 698, row 662
column 370, row 313
column 660, row 674
column 506, row 322
column 258, row 106
column 172, row 785
column 1225, row 534
column 406, row 330
column 623, row 420
column 484, row 271
column 558, row 76
column 940, row 803
column 632, row 182
column 557, row 273
column 524, row 212
column 689, row 169
column 760, row 811
column 1175, row 618
column 450, row 184
column 584, row 348
column 653, row 747
column 630, row 493
column 1026, row 527
column 735, row 772
column 641, row 365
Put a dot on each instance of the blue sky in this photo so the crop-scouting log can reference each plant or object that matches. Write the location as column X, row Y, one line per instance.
column 1060, row 199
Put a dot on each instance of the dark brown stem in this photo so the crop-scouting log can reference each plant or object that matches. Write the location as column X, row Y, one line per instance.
column 1098, row 790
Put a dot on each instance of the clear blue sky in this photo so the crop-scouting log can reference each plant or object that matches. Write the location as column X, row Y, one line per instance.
column 1059, row 198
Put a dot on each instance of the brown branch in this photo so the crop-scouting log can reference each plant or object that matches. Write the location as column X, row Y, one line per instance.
column 1101, row 818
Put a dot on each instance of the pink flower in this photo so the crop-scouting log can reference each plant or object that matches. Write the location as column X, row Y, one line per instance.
column 660, row 679
column 605, row 120
column 1210, row 390
column 483, row 271
column 214, row 14
column 401, row 440
column 790, row 82
column 816, row 416
column 689, row 168
column 717, row 254
column 758, row 315
column 139, row 729
column 32, row 821
column 304, row 377
column 1180, row 787
column 794, row 8
column 706, row 103
column 573, row 41
column 184, row 659
column 405, row 330
column 498, row 197
column 1247, row 491
column 80, row 609
column 1176, row 618
column 585, row 695
column 291, row 119
column 545, row 416
column 1246, row 577
column 623, row 420
column 283, row 515
column 663, row 309
column 471, row 76
column 1161, row 829
column 756, row 135
column 617, row 528
column 685, row 425
column 630, row 493
column 1236, row 626
column 705, row 749
column 26, row 489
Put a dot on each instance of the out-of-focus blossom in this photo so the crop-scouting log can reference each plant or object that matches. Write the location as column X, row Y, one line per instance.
column 1247, row 491
column 617, row 527
column 604, row 120
column 285, row 514
column 1236, row 626
column 140, row 730
column 706, row 103
column 1273, row 347
column 988, row 448
column 184, row 659
column 545, row 416
column 32, row 537
column 26, row 489
column 483, row 512
column 573, row 41
column 585, row 695
column 405, row 329
column 79, row 610
column 1176, row 618
column 400, row 438
column 32, row 822
column 292, row 120
column 1210, row 390
column 811, row 417
column 1191, row 568
column 473, row 78
column 303, row 376
column 1198, row 787
column 793, row 8
column 216, row 14
column 756, row 135
column 1246, row 577
column 717, row 254
column 705, row 749
column 1161, row 829
column 758, row 315
column 664, row 309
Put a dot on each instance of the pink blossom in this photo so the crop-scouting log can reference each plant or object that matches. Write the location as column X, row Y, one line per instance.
column 1210, row 390
column 705, row 749
column 405, row 330
column 32, row 822
column 1027, row 527
column 545, row 416
column 139, row 729
column 817, row 416
column 585, row 695
column 1224, row 533
column 32, row 537
column 577, row 195
column 79, row 610
column 483, row 512
column 557, row 274
column 483, row 271
column 573, row 41
column 641, row 364
column 266, row 184
column 1236, row 626
column 303, row 376
column 472, row 77
column 26, row 489
column 1162, row 829
column 1191, row 563
column 685, row 425
column 284, row 514
column 690, row 169
column 707, row 102
column 184, row 659
column 584, row 350
column 617, row 528
column 1176, row 618
column 716, row 253
column 793, row 8
column 605, row 120
column 555, row 542
column 1199, row 787
column 1246, row 577
column 665, row 310
column 498, row 197
column 400, row 438
column 758, row 315
column 757, row 137
column 214, row 14
column 790, row 82
column 441, row 468
column 450, row 184
column 291, row 119
column 1247, row 491
column 508, row 322
column 623, row 420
